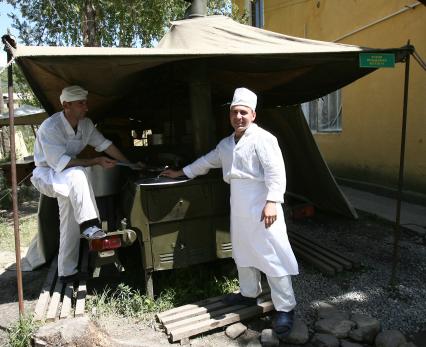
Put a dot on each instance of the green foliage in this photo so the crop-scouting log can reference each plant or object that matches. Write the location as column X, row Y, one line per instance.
column 197, row 282
column 179, row 287
column 116, row 23
column 27, row 230
column 127, row 302
column 21, row 332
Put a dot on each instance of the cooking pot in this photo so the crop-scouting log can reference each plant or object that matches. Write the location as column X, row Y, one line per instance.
column 104, row 181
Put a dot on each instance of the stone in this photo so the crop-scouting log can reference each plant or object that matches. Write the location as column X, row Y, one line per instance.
column 389, row 338
column 336, row 327
column 365, row 334
column 235, row 330
column 299, row 333
column 72, row 332
column 269, row 338
column 408, row 344
column 325, row 340
column 367, row 328
column 345, row 343
column 325, row 309
column 363, row 321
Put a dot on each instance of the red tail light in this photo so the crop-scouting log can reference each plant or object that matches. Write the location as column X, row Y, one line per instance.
column 109, row 242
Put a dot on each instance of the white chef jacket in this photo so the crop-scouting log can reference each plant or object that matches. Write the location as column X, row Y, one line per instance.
column 254, row 167
column 57, row 143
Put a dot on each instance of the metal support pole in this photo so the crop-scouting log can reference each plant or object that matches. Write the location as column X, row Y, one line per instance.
column 14, row 185
column 397, row 231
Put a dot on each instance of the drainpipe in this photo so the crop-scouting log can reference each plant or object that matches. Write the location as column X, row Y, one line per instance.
column 9, row 43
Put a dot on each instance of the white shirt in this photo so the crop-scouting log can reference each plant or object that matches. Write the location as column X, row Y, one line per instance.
column 57, row 142
column 254, row 167
column 256, row 156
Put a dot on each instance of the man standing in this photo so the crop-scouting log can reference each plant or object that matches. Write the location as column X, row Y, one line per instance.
column 59, row 174
column 253, row 165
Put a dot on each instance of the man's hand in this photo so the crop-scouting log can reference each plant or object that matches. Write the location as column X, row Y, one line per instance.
column 269, row 213
column 172, row 173
column 105, row 162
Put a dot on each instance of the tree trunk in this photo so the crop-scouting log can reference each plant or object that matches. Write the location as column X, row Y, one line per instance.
column 89, row 25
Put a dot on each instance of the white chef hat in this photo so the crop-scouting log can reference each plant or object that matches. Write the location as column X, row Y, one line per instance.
column 244, row 97
column 73, row 93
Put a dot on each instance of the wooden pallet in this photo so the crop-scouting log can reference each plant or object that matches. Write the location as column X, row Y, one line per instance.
column 189, row 320
column 326, row 260
column 58, row 300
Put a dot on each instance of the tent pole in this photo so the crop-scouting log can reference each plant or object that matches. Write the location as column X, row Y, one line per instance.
column 397, row 231
column 14, row 185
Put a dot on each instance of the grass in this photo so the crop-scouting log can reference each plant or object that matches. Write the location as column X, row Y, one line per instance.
column 27, row 196
column 177, row 287
column 21, row 332
column 27, row 230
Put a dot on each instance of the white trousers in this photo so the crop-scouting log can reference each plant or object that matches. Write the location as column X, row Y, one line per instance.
column 282, row 293
column 77, row 207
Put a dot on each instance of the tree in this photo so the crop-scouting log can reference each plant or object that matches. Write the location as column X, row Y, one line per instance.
column 111, row 23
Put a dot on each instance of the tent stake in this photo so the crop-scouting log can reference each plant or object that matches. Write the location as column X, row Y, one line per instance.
column 397, row 231
column 13, row 178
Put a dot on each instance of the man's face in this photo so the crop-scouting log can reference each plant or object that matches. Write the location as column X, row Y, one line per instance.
column 241, row 117
column 76, row 109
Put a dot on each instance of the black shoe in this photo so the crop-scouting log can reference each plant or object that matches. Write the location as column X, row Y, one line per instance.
column 282, row 323
column 239, row 299
column 79, row 276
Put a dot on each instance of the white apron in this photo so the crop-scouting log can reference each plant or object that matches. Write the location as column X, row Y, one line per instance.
column 252, row 244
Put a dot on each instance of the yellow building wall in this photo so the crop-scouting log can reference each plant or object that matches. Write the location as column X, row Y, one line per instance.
column 368, row 148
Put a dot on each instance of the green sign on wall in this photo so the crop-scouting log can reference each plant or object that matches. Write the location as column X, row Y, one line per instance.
column 376, row 60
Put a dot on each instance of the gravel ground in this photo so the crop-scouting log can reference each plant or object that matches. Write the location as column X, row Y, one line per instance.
column 366, row 290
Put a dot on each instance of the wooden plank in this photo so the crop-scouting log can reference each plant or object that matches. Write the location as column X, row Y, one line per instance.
column 355, row 263
column 54, row 302
column 191, row 320
column 202, row 303
column 208, row 315
column 43, row 299
column 81, row 299
column 198, row 310
column 314, row 261
column 338, row 267
column 322, row 250
column 229, row 318
column 198, row 304
column 194, row 312
column 66, row 301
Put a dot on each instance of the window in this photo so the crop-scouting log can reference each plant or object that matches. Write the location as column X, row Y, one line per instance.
column 324, row 114
column 257, row 13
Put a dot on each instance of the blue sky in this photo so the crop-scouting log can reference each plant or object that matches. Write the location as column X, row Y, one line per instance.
column 5, row 23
